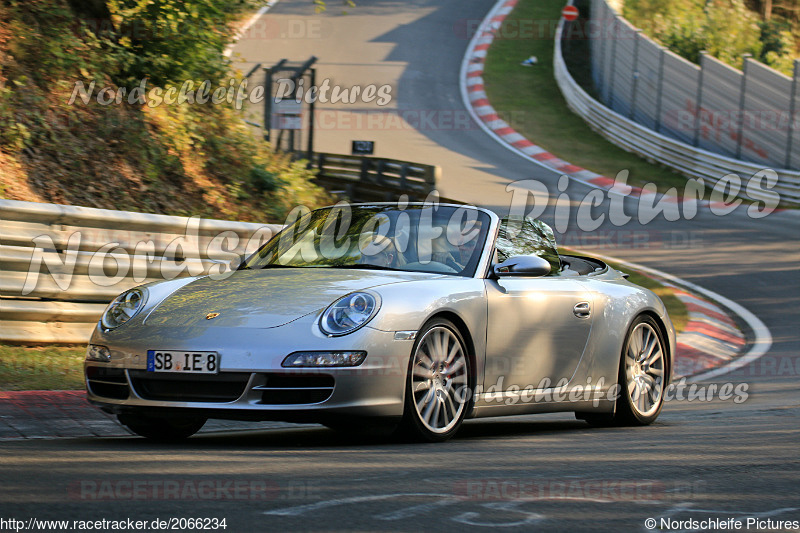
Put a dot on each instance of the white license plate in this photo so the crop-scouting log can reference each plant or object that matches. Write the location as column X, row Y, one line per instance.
column 183, row 362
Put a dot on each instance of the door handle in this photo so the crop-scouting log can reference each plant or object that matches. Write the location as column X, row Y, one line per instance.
column 582, row 310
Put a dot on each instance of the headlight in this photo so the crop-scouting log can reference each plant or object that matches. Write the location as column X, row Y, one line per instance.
column 349, row 313
column 123, row 308
column 310, row 359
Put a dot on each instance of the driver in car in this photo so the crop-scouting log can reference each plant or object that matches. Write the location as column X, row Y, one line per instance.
column 379, row 251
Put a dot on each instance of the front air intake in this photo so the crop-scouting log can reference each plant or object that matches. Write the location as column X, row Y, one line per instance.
column 223, row 387
column 295, row 389
column 107, row 382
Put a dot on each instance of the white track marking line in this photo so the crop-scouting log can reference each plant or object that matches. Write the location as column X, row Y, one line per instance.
column 239, row 34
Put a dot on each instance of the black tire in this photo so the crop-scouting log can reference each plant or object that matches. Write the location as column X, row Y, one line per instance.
column 643, row 368
column 653, row 369
column 598, row 420
column 363, row 427
column 341, row 427
column 438, row 394
column 162, row 429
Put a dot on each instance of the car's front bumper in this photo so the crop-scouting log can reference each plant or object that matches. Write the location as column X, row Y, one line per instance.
column 251, row 382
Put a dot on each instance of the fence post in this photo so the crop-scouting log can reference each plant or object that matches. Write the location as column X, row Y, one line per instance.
column 660, row 89
column 792, row 111
column 267, row 103
column 600, row 83
column 742, row 95
column 610, row 99
column 635, row 83
column 608, row 65
column 699, row 101
column 311, row 108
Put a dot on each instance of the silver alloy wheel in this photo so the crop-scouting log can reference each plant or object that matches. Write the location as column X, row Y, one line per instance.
column 439, row 379
column 644, row 370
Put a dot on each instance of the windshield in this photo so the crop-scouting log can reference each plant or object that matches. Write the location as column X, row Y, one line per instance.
column 422, row 238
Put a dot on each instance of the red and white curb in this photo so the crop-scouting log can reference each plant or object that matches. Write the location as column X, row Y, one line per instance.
column 478, row 105
column 712, row 344
column 710, row 339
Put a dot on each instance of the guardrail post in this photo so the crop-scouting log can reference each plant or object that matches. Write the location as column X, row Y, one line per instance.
column 660, row 88
column 380, row 166
column 792, row 111
column 742, row 95
column 635, row 83
column 403, row 176
column 699, row 101
column 364, row 169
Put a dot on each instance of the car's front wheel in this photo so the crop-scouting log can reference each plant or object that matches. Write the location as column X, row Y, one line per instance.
column 437, row 385
column 163, row 429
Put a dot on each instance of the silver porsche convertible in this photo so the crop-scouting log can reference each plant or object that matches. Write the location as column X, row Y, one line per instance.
column 416, row 316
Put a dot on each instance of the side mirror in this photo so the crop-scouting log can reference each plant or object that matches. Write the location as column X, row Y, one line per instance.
column 522, row 265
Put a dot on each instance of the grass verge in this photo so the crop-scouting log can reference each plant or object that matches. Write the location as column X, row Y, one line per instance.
column 56, row 367
column 529, row 99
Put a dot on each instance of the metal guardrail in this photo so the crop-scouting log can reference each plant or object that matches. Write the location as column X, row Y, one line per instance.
column 633, row 137
column 373, row 179
column 60, row 265
column 745, row 113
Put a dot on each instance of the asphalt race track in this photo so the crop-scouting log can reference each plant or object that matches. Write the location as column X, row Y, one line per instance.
column 716, row 460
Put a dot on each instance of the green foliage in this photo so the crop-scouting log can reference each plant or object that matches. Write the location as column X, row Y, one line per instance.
column 48, row 34
column 263, row 180
column 12, row 133
column 779, row 45
column 174, row 159
column 170, row 41
column 726, row 29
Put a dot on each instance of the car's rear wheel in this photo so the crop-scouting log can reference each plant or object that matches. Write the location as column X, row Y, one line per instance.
column 642, row 375
column 162, row 429
column 437, row 385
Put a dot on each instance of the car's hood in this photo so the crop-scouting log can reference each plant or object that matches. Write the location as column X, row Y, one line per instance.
column 267, row 298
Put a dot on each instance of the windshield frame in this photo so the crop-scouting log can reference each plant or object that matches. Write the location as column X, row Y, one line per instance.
column 480, row 260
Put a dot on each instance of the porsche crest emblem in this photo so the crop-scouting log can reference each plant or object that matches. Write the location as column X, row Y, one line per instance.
column 211, row 316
